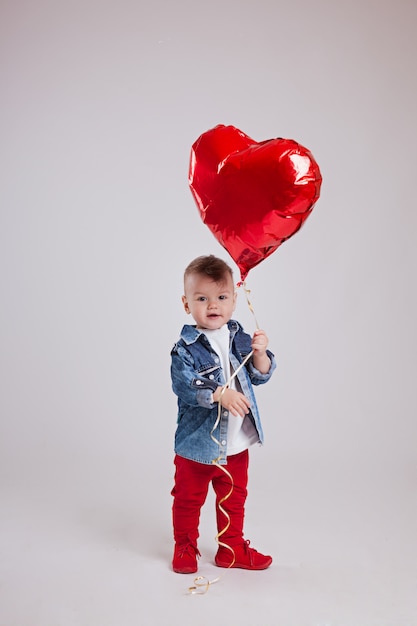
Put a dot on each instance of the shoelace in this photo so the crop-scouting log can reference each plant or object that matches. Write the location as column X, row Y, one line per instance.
column 188, row 548
column 249, row 551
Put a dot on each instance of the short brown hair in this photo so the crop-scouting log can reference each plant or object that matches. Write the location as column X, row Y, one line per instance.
column 210, row 266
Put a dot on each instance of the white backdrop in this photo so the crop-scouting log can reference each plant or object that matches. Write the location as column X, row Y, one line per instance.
column 100, row 104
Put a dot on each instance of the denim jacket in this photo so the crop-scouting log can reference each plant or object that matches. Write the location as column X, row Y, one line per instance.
column 196, row 373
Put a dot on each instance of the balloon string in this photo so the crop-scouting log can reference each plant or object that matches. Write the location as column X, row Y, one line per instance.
column 202, row 583
column 247, row 292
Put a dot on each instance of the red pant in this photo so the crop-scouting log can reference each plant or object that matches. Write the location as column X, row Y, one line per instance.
column 192, row 480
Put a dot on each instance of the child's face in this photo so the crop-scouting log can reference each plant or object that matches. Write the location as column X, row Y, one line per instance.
column 211, row 304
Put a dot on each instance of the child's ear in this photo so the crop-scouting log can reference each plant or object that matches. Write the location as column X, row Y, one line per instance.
column 185, row 303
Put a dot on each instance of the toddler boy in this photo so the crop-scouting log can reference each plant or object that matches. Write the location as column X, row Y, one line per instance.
column 203, row 361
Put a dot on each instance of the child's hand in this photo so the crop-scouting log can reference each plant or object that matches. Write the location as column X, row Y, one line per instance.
column 233, row 401
column 259, row 342
column 260, row 357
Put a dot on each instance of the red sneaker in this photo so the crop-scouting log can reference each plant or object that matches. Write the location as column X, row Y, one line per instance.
column 245, row 557
column 185, row 558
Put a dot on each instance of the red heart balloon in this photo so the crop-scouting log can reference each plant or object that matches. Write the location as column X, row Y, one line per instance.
column 253, row 196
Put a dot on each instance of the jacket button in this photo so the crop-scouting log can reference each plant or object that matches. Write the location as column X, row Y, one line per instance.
column 224, row 442
column 211, row 376
column 225, row 413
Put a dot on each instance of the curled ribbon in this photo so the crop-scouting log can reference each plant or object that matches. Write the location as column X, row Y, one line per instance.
column 202, row 583
column 247, row 292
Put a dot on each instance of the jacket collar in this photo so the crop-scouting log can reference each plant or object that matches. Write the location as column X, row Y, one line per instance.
column 190, row 334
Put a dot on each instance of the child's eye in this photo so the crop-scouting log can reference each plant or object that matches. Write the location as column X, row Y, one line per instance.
column 222, row 297
column 201, row 298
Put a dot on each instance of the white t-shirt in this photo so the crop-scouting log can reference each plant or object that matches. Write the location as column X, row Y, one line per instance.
column 241, row 433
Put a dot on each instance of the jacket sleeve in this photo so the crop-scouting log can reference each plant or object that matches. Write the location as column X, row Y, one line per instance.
column 256, row 377
column 187, row 384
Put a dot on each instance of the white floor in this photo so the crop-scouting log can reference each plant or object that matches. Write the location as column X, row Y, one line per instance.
column 344, row 547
